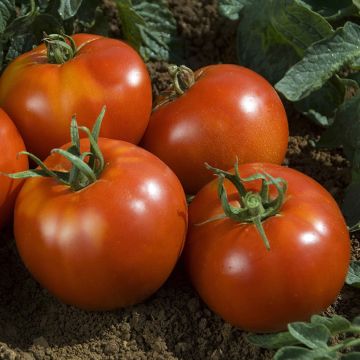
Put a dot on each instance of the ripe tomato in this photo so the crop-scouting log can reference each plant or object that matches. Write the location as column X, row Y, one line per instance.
column 263, row 290
column 41, row 97
column 11, row 144
column 110, row 244
column 229, row 111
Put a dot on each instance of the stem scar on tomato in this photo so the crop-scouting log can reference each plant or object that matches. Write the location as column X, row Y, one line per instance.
column 86, row 167
column 255, row 207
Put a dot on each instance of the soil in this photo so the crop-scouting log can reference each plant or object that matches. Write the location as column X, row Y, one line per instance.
column 174, row 323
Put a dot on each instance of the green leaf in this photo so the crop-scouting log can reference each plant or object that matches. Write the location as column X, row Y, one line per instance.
column 130, row 21
column 231, row 8
column 298, row 25
column 321, row 61
column 355, row 64
column 351, row 356
column 7, row 10
column 68, row 8
column 351, row 203
column 311, row 335
column 280, row 32
column 272, row 341
column 350, row 84
column 332, row 10
column 89, row 18
column 299, row 353
column 159, row 34
column 356, row 321
column 345, row 130
column 321, row 105
column 356, row 3
column 99, row 24
column 150, row 28
column 353, row 275
column 335, row 323
column 26, row 31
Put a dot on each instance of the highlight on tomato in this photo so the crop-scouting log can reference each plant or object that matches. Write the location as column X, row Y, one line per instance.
column 214, row 115
column 101, row 222
column 11, row 144
column 43, row 88
column 266, row 246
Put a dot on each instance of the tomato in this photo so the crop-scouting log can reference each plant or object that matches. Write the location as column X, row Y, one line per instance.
column 11, row 144
column 41, row 97
column 258, row 289
column 229, row 112
column 110, row 244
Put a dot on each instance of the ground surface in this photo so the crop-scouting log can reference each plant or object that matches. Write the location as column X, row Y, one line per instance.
column 173, row 324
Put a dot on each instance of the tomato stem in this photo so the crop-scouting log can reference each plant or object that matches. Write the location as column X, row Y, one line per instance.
column 354, row 228
column 86, row 166
column 255, row 207
column 60, row 48
column 182, row 78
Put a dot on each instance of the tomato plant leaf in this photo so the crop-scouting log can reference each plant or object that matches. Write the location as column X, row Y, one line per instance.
column 7, row 9
column 150, row 28
column 130, row 21
column 314, row 337
column 299, row 353
column 231, row 8
column 356, row 321
column 351, row 203
column 159, row 32
column 353, row 276
column 332, row 10
column 27, row 30
column 89, row 18
column 335, row 323
column 351, row 356
column 356, row 3
column 344, row 130
column 321, row 61
column 272, row 341
column 281, row 31
column 68, row 8
column 321, row 105
column 311, row 335
column 356, row 64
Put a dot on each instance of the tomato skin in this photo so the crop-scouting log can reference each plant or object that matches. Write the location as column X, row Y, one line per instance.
column 41, row 98
column 260, row 290
column 11, row 144
column 230, row 111
column 111, row 244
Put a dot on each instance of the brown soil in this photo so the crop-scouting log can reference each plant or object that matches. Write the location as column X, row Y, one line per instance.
column 174, row 323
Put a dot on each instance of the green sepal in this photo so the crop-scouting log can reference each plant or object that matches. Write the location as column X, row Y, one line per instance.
column 86, row 167
column 254, row 207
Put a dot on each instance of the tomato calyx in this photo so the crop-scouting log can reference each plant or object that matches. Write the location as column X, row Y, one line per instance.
column 60, row 48
column 182, row 79
column 254, row 207
column 86, row 167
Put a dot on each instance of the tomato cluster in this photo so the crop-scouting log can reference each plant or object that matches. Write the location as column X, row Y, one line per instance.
column 101, row 222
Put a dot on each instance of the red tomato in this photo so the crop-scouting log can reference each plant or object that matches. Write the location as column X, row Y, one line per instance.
column 263, row 290
column 41, row 97
column 230, row 111
column 114, row 242
column 11, row 144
